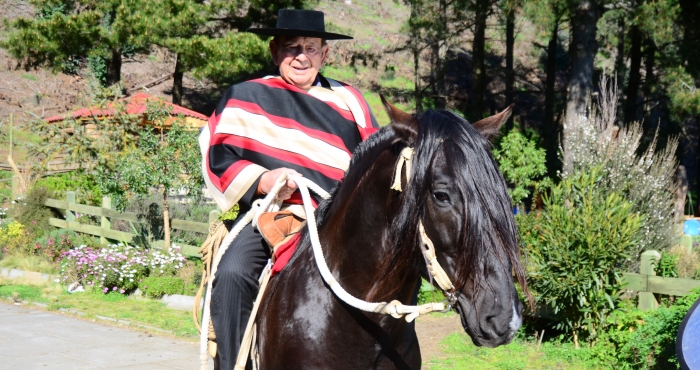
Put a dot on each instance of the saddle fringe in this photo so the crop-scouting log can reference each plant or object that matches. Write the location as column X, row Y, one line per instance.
column 217, row 233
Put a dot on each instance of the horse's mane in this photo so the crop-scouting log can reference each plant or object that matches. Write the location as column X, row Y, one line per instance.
column 489, row 222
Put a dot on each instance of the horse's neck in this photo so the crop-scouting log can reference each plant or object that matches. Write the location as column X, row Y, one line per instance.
column 355, row 239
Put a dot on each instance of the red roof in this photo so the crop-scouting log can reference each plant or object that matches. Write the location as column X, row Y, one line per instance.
column 135, row 104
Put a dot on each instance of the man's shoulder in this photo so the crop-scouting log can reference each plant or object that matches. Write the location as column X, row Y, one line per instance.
column 337, row 84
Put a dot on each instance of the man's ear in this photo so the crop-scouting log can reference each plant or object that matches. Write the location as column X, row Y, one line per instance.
column 490, row 127
column 404, row 125
column 324, row 53
column 273, row 52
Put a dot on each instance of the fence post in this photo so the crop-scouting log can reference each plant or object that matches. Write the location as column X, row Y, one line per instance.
column 214, row 216
column 646, row 267
column 15, row 187
column 104, row 221
column 70, row 198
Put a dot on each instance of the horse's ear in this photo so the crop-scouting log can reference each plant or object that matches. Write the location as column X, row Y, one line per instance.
column 489, row 127
column 404, row 124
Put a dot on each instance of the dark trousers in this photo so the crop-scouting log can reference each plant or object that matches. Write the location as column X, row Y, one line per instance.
column 234, row 289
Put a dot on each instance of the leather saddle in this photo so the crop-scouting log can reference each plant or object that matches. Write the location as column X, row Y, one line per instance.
column 278, row 227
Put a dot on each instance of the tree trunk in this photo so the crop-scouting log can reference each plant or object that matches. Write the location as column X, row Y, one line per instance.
column 478, row 59
column 551, row 131
column 440, row 63
column 166, row 218
column 416, row 80
column 114, row 67
column 649, row 62
column 634, row 80
column 620, row 59
column 582, row 51
column 510, row 73
column 177, row 81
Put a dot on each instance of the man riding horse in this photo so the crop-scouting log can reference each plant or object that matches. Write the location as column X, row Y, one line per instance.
column 296, row 122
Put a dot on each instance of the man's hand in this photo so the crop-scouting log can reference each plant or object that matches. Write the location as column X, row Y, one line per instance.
column 267, row 181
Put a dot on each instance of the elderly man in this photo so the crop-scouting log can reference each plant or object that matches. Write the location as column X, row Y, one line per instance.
column 296, row 122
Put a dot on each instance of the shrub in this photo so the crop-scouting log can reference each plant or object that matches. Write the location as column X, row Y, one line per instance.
column 14, row 239
column 644, row 340
column 157, row 286
column 33, row 214
column 575, row 248
column 646, row 180
column 191, row 274
column 87, row 191
column 523, row 166
column 58, row 241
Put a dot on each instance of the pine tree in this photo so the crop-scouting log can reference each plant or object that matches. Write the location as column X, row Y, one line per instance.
column 64, row 31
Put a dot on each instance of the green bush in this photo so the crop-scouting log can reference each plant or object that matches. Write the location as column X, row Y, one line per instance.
column 576, row 248
column 644, row 340
column 58, row 241
column 84, row 185
column 523, row 166
column 33, row 214
column 157, row 286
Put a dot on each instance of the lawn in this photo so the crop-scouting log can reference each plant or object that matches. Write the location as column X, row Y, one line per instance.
column 460, row 353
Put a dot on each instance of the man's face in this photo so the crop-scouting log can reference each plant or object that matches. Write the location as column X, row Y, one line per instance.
column 299, row 59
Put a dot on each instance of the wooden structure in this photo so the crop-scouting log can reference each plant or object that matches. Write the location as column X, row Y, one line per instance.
column 106, row 214
column 135, row 105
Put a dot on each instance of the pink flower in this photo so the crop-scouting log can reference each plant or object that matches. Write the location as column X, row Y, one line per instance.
column 122, row 291
column 115, row 288
column 105, row 290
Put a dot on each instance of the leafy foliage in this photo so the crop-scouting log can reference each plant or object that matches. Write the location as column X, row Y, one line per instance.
column 644, row 340
column 87, row 190
column 167, row 159
column 157, row 286
column 575, row 250
column 522, row 165
column 646, row 180
column 33, row 214
column 13, row 238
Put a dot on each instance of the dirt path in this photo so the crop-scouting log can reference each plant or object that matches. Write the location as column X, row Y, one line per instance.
column 432, row 330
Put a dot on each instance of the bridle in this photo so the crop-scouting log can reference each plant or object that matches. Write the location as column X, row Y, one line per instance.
column 436, row 271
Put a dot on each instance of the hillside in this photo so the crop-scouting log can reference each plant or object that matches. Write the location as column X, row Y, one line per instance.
column 370, row 62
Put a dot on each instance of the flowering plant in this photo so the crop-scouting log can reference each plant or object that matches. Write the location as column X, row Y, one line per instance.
column 117, row 267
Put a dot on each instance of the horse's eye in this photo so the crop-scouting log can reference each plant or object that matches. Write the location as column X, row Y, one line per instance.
column 441, row 197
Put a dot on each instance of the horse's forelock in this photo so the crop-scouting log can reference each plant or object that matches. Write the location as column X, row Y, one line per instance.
column 489, row 223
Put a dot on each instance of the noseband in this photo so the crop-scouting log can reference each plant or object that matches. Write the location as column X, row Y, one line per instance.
column 436, row 271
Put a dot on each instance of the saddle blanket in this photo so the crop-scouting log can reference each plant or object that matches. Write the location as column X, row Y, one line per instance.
column 284, row 253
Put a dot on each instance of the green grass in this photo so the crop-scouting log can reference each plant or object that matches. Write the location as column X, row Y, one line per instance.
column 135, row 310
column 29, row 263
column 30, row 77
column 460, row 353
column 22, row 293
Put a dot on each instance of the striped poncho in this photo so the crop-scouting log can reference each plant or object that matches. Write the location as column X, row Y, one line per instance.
column 266, row 123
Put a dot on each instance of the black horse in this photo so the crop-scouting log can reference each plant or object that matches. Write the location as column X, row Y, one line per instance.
column 371, row 243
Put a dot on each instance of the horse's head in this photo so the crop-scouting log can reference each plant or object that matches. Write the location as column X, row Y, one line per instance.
column 457, row 191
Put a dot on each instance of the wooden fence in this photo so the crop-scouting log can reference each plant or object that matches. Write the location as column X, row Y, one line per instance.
column 106, row 214
column 645, row 282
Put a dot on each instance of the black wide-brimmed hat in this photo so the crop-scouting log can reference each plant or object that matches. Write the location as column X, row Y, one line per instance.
column 305, row 23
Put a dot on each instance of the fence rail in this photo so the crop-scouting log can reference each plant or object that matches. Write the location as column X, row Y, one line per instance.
column 106, row 213
column 645, row 282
